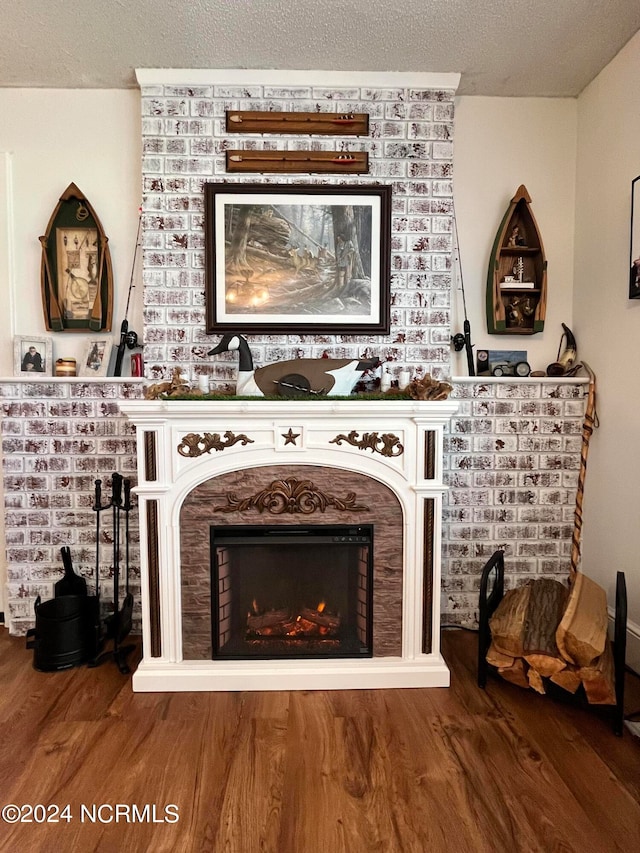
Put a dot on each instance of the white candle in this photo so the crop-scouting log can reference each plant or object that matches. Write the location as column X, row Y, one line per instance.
column 404, row 377
column 385, row 380
column 203, row 383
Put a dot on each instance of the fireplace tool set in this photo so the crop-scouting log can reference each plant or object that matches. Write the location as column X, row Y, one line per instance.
column 117, row 626
column 70, row 629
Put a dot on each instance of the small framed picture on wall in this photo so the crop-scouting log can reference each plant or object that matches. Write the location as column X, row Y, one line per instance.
column 95, row 360
column 32, row 356
column 634, row 271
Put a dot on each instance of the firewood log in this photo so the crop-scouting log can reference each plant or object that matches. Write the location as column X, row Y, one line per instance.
column 546, row 665
column 515, row 674
column 324, row 619
column 582, row 632
column 496, row 658
column 567, row 678
column 545, row 607
column 599, row 679
column 507, row 623
column 258, row 621
column 535, row 680
column 304, row 628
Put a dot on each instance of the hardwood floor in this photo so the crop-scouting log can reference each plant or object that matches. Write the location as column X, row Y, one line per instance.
column 394, row 771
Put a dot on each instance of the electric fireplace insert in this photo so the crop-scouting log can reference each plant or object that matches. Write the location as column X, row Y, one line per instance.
column 292, row 591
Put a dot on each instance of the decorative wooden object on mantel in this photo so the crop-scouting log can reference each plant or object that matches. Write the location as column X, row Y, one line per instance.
column 298, row 162
column 332, row 124
column 517, row 277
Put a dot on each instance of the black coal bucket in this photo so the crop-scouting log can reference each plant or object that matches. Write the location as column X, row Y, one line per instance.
column 65, row 633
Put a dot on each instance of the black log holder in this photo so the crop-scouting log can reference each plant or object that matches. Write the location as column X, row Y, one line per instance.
column 117, row 625
column 491, row 594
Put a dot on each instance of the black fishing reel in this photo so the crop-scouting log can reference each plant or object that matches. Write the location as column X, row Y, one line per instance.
column 130, row 339
column 458, row 342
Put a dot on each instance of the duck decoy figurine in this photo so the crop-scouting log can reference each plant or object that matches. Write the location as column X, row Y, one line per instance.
column 298, row 376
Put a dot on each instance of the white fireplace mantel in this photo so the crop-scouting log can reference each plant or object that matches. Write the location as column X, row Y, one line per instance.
column 174, row 458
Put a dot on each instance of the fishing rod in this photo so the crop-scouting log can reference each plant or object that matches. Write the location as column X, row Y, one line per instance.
column 462, row 341
column 128, row 338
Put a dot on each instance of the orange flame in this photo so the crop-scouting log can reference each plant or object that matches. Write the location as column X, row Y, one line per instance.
column 254, row 604
column 321, row 606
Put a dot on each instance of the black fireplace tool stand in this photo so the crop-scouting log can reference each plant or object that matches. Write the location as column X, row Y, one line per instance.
column 115, row 627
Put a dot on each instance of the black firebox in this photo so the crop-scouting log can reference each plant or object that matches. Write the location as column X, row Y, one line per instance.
column 292, row 591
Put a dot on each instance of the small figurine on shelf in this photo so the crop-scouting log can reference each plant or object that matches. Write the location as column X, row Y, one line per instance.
column 518, row 270
column 516, row 239
column 519, row 309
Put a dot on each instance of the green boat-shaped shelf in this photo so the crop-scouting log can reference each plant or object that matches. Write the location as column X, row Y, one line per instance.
column 76, row 273
column 517, row 277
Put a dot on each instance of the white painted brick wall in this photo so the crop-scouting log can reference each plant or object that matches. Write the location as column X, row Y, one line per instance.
column 410, row 147
column 512, row 456
column 58, row 438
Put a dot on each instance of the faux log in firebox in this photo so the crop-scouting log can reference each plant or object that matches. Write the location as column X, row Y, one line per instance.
column 546, row 636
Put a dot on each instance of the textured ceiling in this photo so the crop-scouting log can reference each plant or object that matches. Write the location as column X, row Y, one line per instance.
column 500, row 47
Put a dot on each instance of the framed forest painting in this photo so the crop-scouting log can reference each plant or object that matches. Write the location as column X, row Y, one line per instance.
column 298, row 258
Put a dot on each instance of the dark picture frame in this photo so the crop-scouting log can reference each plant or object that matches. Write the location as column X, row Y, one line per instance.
column 634, row 260
column 297, row 258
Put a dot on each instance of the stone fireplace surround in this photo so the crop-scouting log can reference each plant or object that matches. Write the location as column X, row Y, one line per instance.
column 191, row 451
column 325, row 483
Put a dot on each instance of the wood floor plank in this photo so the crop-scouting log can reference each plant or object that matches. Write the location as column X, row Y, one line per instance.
column 609, row 807
column 327, row 790
column 394, row 771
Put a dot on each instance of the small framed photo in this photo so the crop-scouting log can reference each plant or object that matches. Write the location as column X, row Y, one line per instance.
column 32, row 356
column 95, row 361
column 505, row 362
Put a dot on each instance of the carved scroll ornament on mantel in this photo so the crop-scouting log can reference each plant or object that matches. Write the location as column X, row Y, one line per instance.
column 291, row 496
column 193, row 444
column 386, row 444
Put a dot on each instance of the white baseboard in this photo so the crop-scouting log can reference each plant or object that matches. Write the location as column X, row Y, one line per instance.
column 633, row 646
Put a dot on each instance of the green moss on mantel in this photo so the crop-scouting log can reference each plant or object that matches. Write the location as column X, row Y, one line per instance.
column 280, row 399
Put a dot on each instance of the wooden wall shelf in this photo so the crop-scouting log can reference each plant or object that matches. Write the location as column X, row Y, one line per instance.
column 305, row 162
column 332, row 124
column 517, row 256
